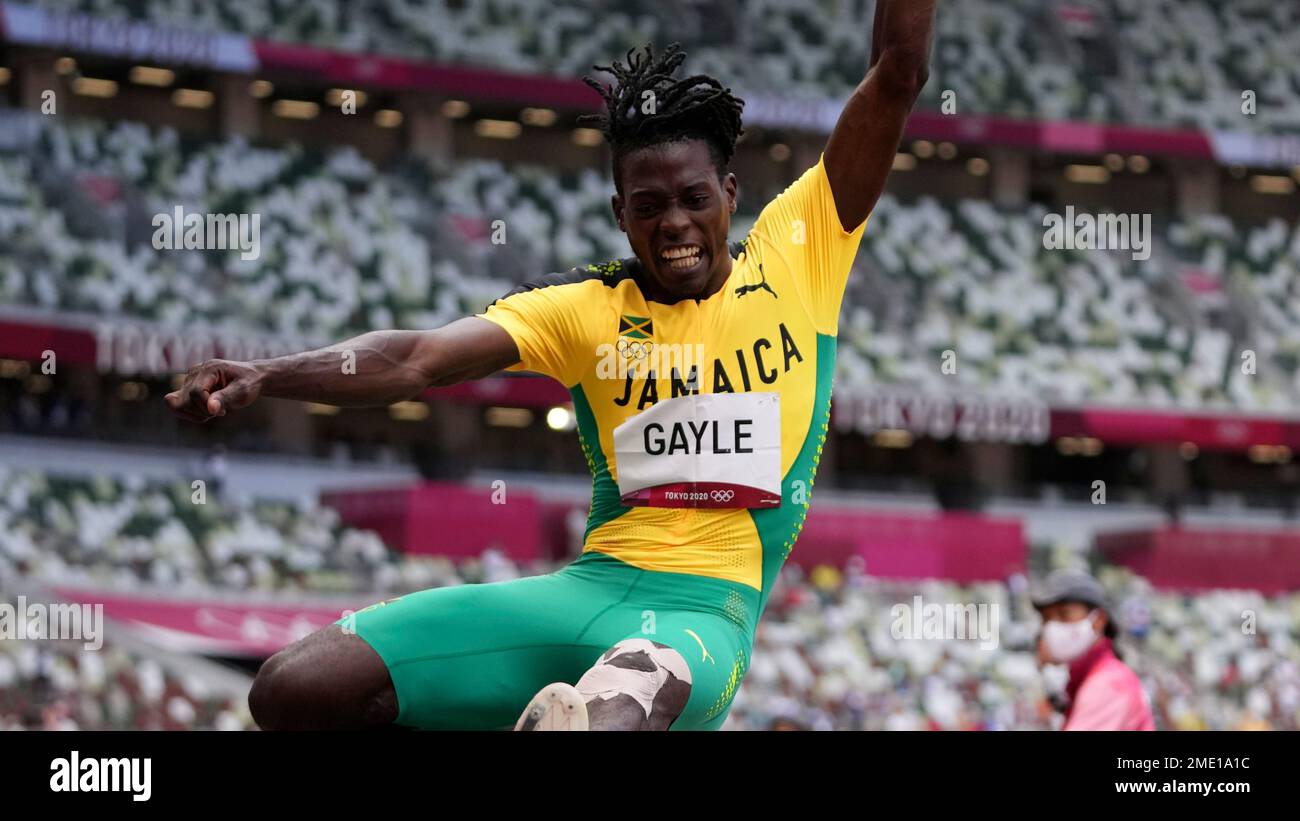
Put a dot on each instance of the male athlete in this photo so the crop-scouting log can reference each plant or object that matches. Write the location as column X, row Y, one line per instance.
column 701, row 460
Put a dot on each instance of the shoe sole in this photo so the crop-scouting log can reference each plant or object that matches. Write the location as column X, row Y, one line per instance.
column 557, row 706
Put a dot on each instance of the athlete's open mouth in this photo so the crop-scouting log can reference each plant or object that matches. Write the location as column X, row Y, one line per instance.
column 681, row 258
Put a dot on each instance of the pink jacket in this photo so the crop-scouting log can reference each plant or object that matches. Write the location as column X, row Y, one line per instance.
column 1105, row 694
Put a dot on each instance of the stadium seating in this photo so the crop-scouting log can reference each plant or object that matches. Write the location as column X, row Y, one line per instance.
column 825, row 658
column 342, row 244
column 1192, row 61
column 1186, row 62
column 60, row 685
column 1258, row 274
column 348, row 249
column 129, row 534
column 1066, row 326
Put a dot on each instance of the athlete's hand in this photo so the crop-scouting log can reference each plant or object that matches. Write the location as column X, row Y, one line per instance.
column 213, row 388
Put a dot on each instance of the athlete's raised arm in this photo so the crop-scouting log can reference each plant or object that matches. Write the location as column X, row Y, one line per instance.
column 376, row 368
column 861, row 148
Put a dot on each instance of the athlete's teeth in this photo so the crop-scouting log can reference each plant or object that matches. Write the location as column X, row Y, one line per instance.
column 681, row 259
column 680, row 253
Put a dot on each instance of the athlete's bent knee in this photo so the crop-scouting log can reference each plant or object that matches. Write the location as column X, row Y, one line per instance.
column 262, row 698
column 328, row 680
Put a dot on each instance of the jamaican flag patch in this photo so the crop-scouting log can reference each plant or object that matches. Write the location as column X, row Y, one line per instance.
column 635, row 327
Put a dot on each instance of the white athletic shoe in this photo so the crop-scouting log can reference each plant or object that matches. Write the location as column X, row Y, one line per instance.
column 558, row 706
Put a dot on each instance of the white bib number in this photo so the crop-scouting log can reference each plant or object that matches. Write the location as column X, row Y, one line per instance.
column 710, row 450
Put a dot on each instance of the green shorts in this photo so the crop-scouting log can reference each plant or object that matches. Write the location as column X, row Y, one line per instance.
column 472, row 656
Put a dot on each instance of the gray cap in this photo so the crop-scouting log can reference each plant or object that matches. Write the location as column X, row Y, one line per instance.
column 1070, row 585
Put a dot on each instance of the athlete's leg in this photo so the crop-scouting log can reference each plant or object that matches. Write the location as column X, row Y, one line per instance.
column 695, row 632
column 463, row 657
column 637, row 684
column 330, row 680
column 717, row 653
column 678, row 671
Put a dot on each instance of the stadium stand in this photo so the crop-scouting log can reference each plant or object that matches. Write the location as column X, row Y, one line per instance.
column 1171, row 62
column 1064, row 326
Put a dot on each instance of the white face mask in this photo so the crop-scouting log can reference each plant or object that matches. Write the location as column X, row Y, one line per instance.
column 1065, row 641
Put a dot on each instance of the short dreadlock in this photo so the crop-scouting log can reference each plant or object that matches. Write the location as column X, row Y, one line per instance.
column 697, row 107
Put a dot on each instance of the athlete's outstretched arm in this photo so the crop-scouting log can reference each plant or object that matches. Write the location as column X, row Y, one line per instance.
column 860, row 151
column 376, row 368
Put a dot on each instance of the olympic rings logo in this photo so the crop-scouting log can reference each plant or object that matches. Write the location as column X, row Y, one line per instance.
column 633, row 349
column 722, row 495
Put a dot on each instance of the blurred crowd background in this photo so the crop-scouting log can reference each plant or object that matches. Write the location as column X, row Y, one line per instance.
column 1171, row 380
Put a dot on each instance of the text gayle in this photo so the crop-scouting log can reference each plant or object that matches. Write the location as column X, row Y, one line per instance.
column 679, row 442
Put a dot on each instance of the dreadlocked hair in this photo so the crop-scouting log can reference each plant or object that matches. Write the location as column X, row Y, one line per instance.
column 697, row 107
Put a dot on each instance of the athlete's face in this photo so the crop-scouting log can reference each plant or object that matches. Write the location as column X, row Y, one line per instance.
column 676, row 214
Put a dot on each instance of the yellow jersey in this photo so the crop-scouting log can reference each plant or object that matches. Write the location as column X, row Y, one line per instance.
column 702, row 421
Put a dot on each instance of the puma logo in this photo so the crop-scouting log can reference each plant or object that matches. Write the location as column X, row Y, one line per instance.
column 705, row 650
column 762, row 283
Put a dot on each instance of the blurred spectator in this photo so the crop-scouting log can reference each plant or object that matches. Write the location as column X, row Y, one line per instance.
column 1102, row 692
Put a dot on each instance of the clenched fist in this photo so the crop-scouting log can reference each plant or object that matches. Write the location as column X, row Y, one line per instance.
column 213, row 388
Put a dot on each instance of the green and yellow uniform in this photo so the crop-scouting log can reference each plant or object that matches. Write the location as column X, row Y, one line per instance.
column 702, row 422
